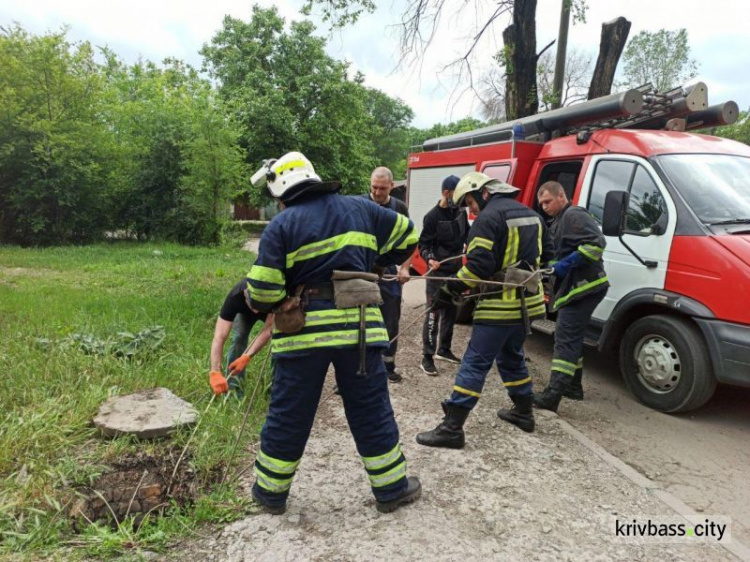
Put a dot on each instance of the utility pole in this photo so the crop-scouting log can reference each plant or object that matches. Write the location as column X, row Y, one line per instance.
column 562, row 46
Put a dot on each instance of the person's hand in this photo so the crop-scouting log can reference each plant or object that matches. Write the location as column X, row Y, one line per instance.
column 433, row 265
column 403, row 275
column 239, row 364
column 218, row 382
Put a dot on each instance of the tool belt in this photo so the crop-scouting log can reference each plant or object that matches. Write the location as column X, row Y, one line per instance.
column 318, row 292
column 352, row 289
column 514, row 275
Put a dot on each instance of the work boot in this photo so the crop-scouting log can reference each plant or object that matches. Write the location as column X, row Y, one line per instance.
column 521, row 414
column 575, row 388
column 411, row 493
column 272, row 508
column 449, row 433
column 550, row 397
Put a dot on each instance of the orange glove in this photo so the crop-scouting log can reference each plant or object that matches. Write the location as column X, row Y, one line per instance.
column 239, row 364
column 218, row 382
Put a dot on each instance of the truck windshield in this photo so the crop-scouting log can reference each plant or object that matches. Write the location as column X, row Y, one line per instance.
column 715, row 186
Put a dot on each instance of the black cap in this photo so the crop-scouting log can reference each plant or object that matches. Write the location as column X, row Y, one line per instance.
column 450, row 183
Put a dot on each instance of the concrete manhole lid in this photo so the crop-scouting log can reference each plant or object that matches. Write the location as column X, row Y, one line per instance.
column 146, row 414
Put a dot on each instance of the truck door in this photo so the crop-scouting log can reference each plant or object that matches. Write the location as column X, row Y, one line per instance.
column 650, row 225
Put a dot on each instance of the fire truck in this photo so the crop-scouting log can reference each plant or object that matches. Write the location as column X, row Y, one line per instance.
column 674, row 207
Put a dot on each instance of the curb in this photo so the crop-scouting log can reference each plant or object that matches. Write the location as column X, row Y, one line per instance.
column 735, row 547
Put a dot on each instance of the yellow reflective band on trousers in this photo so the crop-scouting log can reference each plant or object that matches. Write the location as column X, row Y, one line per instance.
column 578, row 290
column 517, row 383
column 277, row 465
column 594, row 253
column 465, row 275
column 466, row 391
column 399, row 229
column 266, row 274
column 412, row 238
column 275, row 485
column 479, row 242
column 564, row 367
column 334, row 338
column 333, row 244
column 381, row 461
column 393, row 475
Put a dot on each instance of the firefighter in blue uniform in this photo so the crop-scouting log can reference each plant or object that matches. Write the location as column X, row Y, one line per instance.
column 320, row 231
column 580, row 284
column 505, row 235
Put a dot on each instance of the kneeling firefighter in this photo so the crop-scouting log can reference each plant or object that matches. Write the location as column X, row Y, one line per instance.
column 506, row 239
column 313, row 270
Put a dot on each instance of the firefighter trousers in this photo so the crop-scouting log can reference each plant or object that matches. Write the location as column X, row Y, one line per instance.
column 501, row 344
column 297, row 386
column 391, row 311
column 437, row 331
column 570, row 330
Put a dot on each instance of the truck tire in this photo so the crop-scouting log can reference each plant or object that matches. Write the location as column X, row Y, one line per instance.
column 665, row 363
column 465, row 311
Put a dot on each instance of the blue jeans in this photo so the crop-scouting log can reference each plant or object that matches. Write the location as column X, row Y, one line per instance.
column 501, row 344
column 240, row 335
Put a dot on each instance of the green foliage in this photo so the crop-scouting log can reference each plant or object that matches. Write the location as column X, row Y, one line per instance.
column 51, row 393
column 418, row 136
column 739, row 131
column 662, row 58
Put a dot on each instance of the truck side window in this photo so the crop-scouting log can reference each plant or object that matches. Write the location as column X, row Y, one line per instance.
column 609, row 175
column 499, row 172
column 647, row 212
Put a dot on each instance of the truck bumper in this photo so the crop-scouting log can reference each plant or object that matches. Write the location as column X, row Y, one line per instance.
column 729, row 347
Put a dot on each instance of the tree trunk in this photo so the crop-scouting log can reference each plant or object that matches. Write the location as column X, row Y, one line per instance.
column 521, row 99
column 614, row 37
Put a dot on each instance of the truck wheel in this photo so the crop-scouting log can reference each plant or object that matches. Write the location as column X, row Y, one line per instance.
column 465, row 311
column 665, row 364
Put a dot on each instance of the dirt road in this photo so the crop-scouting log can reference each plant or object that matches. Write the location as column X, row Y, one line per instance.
column 508, row 494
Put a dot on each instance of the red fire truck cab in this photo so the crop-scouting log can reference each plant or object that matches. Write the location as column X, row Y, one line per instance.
column 678, row 310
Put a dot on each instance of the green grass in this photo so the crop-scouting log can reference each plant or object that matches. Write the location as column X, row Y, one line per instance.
column 49, row 392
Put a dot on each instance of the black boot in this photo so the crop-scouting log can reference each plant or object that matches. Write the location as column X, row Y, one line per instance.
column 550, row 397
column 449, row 433
column 411, row 493
column 575, row 388
column 521, row 414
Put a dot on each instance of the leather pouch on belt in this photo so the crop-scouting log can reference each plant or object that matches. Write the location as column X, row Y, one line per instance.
column 289, row 316
column 529, row 279
column 352, row 289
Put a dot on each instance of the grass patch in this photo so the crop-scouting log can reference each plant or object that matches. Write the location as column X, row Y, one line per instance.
column 66, row 315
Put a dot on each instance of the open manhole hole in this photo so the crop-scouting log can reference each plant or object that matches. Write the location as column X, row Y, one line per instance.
column 137, row 485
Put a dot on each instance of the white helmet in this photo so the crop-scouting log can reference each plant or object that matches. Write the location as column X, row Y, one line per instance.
column 284, row 178
column 475, row 181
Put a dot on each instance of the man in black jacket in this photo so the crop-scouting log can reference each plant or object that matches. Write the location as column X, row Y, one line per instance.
column 580, row 284
column 444, row 232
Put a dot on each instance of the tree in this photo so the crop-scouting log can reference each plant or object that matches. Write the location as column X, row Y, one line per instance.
column 613, row 38
column 661, row 58
column 739, row 131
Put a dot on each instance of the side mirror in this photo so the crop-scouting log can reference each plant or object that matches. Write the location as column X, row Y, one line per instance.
column 615, row 212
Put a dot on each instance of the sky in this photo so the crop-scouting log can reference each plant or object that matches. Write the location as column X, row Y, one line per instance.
column 156, row 29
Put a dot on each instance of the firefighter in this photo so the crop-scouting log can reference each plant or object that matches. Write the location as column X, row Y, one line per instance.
column 381, row 185
column 580, row 284
column 505, row 235
column 317, row 233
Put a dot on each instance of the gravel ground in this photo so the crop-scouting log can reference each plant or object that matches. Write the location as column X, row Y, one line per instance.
column 508, row 494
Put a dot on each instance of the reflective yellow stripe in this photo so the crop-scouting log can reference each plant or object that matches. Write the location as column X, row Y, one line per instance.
column 500, row 315
column 266, row 274
column 275, row 485
column 462, row 390
column 497, row 304
column 466, row 275
column 511, row 257
column 563, row 366
column 399, row 229
column 277, row 465
column 333, row 244
column 479, row 242
column 393, row 475
column 341, row 316
column 381, row 461
column 580, row 290
column 594, row 253
column 579, row 365
column 289, row 166
column 517, row 383
column 413, row 238
column 265, row 295
column 327, row 339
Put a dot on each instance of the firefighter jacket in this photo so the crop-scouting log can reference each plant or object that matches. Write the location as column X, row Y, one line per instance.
column 444, row 232
column 575, row 230
column 506, row 233
column 304, row 244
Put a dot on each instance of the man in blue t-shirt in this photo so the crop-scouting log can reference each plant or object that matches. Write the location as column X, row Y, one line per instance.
column 381, row 185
